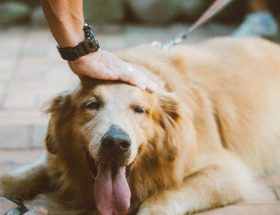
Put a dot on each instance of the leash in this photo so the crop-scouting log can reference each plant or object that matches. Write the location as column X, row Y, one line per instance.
column 217, row 6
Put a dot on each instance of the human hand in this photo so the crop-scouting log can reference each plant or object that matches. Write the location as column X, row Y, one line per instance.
column 107, row 66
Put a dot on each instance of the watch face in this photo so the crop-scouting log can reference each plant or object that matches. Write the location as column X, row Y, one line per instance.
column 90, row 36
column 88, row 32
column 93, row 45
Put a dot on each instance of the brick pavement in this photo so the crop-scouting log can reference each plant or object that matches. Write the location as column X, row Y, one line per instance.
column 31, row 72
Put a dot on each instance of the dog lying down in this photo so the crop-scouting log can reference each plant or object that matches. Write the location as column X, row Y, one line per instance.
column 197, row 143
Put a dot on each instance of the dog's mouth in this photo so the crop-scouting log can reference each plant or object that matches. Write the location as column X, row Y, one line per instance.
column 111, row 191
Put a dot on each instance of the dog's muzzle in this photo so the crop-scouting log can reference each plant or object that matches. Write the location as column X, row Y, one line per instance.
column 115, row 146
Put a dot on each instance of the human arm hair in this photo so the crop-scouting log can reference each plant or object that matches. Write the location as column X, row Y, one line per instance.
column 65, row 19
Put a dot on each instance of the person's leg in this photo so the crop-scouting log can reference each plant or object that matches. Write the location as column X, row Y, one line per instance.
column 259, row 22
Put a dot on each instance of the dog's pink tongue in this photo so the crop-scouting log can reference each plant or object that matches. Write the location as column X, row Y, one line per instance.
column 112, row 193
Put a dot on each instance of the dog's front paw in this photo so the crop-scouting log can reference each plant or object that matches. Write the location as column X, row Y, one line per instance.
column 152, row 210
column 6, row 185
column 1, row 191
column 1, row 187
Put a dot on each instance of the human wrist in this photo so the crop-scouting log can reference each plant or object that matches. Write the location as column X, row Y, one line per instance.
column 70, row 37
column 88, row 45
column 92, row 57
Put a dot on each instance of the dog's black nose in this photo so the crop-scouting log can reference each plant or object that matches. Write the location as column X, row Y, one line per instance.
column 116, row 141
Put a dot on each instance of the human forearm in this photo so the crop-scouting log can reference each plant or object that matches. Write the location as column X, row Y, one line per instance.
column 66, row 20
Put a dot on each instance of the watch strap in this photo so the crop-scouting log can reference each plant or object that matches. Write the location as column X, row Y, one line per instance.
column 83, row 48
column 89, row 45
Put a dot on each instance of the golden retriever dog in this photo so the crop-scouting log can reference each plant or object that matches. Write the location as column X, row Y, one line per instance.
column 197, row 143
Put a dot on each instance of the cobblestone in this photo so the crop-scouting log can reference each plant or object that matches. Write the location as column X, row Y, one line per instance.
column 12, row 159
column 38, row 136
column 12, row 41
column 2, row 92
column 23, row 117
column 16, row 101
column 15, row 137
column 7, row 67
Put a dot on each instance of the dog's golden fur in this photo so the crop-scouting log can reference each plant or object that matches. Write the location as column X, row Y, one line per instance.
column 213, row 127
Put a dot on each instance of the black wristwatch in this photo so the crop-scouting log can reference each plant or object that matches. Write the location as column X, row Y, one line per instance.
column 89, row 45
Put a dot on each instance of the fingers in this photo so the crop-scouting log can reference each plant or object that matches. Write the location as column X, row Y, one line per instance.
column 107, row 66
column 138, row 79
column 130, row 76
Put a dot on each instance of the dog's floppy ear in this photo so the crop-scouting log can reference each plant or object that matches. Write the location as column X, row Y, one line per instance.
column 170, row 121
column 58, row 107
column 170, row 105
column 50, row 142
column 58, row 103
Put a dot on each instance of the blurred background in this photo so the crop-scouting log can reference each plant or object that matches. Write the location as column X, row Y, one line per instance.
column 32, row 72
column 123, row 12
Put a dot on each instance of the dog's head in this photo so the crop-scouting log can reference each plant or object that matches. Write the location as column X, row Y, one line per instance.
column 120, row 126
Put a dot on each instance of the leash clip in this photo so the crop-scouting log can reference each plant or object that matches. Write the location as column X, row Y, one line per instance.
column 208, row 14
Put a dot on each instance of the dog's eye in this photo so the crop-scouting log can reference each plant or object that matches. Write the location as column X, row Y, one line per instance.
column 94, row 105
column 139, row 109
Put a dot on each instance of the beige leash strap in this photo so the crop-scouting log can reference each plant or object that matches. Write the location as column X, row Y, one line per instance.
column 208, row 14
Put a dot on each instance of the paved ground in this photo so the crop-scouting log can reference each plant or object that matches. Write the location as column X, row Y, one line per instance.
column 31, row 72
